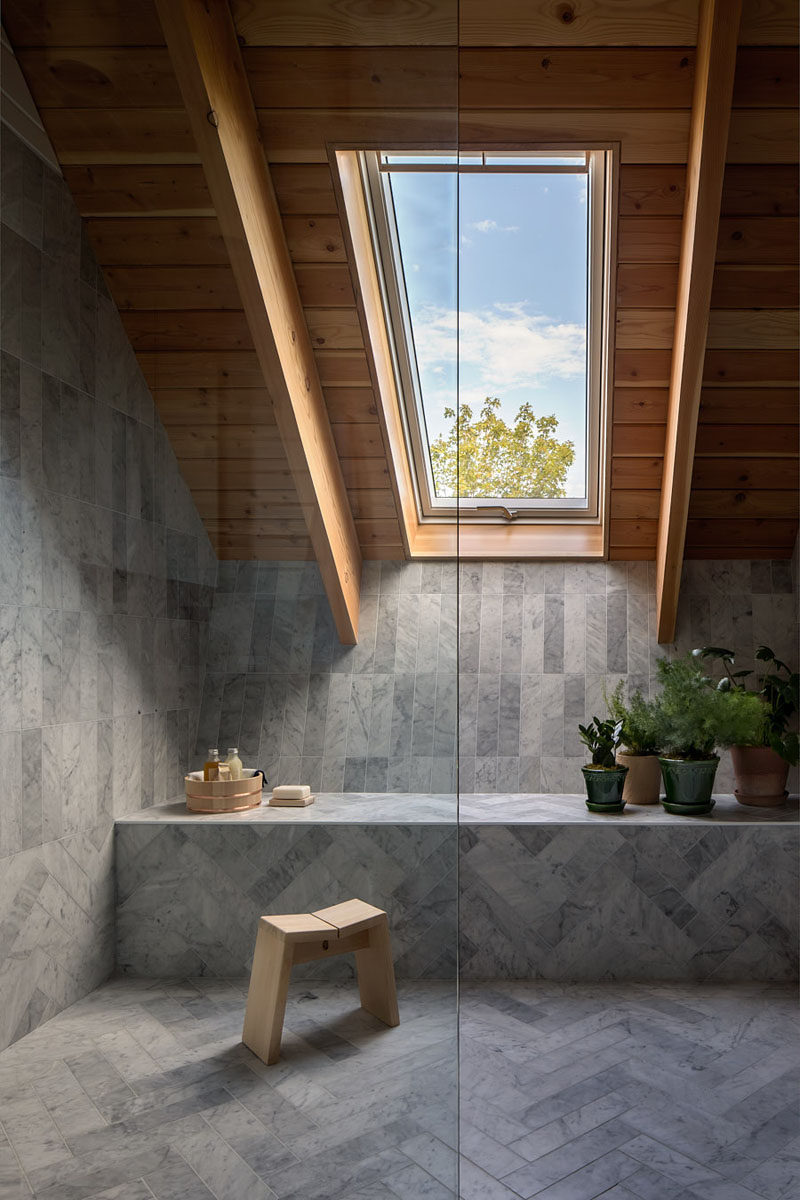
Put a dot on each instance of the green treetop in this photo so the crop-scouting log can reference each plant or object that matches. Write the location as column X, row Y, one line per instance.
column 487, row 457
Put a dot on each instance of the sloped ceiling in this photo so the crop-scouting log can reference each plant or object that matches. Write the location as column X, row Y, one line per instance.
column 323, row 72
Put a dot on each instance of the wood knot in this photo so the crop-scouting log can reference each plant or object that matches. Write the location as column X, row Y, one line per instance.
column 567, row 15
column 330, row 247
column 546, row 62
column 740, row 497
column 684, row 61
column 737, row 235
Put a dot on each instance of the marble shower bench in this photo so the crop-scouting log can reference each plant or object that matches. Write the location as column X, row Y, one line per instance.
column 496, row 887
column 491, row 808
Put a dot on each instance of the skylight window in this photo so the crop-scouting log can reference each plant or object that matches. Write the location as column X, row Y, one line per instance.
column 494, row 268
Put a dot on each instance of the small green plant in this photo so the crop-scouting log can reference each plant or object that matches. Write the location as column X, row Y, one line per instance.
column 778, row 688
column 693, row 717
column 602, row 738
column 639, row 720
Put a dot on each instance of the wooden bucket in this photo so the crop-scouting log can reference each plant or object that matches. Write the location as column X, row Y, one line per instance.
column 223, row 795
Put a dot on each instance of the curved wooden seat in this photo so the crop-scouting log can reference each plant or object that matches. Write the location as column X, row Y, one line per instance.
column 282, row 940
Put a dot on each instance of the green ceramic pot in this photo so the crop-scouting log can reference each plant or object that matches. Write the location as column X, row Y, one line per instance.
column 604, row 789
column 688, row 785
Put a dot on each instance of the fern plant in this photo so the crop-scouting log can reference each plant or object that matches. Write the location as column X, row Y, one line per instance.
column 693, row 717
column 778, row 689
column 639, row 720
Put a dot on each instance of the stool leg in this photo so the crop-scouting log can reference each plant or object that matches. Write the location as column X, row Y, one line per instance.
column 376, row 976
column 266, row 996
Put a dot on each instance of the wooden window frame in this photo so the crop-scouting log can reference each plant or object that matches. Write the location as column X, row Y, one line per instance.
column 565, row 535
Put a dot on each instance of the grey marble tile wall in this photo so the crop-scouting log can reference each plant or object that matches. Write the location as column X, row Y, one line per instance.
column 379, row 716
column 189, row 897
column 570, row 903
column 106, row 578
column 585, row 904
column 535, row 648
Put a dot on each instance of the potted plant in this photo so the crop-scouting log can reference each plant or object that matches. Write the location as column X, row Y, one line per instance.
column 604, row 778
column 640, row 739
column 693, row 718
column 761, row 767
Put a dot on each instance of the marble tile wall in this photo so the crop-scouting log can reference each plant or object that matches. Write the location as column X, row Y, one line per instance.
column 106, row 578
column 190, row 896
column 535, row 647
column 575, row 903
column 379, row 716
column 585, row 904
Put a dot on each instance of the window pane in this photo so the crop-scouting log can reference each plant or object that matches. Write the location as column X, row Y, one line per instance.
column 425, row 207
column 516, row 343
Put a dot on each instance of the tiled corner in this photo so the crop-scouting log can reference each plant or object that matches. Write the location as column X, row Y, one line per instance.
column 106, row 581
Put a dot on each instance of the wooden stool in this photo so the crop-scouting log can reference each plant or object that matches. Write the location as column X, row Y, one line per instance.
column 354, row 927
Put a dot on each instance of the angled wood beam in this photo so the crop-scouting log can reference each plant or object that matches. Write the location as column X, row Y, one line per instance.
column 708, row 139
column 205, row 54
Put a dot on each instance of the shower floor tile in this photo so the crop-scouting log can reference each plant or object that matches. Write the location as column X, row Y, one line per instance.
column 634, row 1092
column 143, row 1091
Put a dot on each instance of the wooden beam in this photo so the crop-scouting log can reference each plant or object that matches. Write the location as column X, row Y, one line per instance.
column 708, row 137
column 206, row 57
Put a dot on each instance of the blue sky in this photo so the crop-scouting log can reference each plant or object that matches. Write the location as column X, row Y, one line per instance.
column 507, row 252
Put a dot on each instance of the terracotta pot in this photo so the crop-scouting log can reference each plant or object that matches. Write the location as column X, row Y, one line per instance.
column 643, row 781
column 760, row 776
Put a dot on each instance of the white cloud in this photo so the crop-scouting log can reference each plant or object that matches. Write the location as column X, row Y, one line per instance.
column 489, row 226
column 506, row 346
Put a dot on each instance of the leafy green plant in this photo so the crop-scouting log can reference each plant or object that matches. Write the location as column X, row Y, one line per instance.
column 602, row 738
column 693, row 717
column 741, row 718
column 778, row 688
column 487, row 456
column 639, row 720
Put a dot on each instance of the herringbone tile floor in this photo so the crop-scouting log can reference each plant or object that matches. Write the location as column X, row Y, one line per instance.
column 144, row 1091
column 636, row 1092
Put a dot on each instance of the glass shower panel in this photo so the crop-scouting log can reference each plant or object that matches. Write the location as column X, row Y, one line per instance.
column 371, row 727
column 380, row 82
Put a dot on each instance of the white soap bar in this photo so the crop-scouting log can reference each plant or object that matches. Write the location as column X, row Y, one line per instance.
column 291, row 791
column 292, row 802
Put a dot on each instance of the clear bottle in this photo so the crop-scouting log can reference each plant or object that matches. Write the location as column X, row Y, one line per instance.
column 234, row 762
column 211, row 767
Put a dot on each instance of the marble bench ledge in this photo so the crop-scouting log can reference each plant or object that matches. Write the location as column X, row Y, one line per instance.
column 399, row 808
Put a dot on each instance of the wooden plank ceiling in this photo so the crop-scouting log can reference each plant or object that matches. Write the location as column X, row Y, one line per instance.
column 323, row 73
